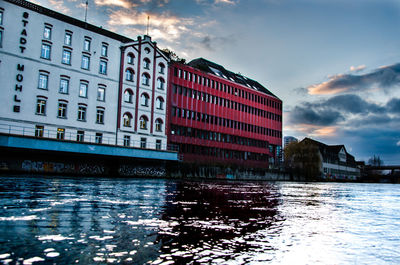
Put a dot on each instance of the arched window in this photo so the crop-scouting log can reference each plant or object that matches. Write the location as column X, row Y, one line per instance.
column 160, row 103
column 130, row 58
column 127, row 119
column 129, row 74
column 159, row 125
column 160, row 83
column 161, row 68
column 146, row 63
column 143, row 122
column 146, row 79
column 144, row 99
column 128, row 96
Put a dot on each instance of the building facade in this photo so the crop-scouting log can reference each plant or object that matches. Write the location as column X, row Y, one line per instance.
column 219, row 117
column 65, row 79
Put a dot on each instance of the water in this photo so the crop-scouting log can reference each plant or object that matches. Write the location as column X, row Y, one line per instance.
column 140, row 221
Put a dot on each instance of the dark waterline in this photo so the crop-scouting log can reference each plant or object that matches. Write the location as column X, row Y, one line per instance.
column 142, row 221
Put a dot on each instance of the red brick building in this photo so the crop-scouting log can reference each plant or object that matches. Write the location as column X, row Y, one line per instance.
column 218, row 117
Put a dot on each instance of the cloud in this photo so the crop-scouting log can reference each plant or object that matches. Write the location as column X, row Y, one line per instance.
column 231, row 2
column 120, row 3
column 398, row 143
column 307, row 115
column 394, row 105
column 211, row 43
column 357, row 68
column 59, row 6
column 383, row 77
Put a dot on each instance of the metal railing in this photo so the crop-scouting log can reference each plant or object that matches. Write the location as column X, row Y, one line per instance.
column 88, row 137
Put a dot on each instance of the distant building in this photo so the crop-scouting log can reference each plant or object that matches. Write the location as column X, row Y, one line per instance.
column 336, row 163
column 289, row 139
column 219, row 117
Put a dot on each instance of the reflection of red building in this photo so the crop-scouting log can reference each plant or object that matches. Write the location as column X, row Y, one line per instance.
column 217, row 116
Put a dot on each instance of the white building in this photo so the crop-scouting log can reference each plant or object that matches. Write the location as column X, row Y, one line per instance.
column 63, row 78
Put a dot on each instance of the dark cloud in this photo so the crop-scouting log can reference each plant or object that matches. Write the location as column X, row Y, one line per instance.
column 307, row 115
column 394, row 105
column 351, row 104
column 385, row 77
column 212, row 43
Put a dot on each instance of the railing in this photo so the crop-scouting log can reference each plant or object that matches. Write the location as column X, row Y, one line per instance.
column 87, row 138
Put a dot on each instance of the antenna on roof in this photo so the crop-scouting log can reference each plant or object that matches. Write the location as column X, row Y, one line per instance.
column 87, row 3
column 148, row 21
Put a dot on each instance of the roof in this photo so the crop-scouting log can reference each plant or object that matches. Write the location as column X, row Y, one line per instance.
column 333, row 149
column 73, row 21
column 218, row 70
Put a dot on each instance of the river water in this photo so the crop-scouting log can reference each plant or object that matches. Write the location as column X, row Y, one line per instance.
column 140, row 221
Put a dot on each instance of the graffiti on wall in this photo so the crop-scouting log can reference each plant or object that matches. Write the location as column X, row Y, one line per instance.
column 60, row 167
column 140, row 171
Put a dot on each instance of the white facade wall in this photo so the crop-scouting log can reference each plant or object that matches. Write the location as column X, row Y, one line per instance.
column 21, row 54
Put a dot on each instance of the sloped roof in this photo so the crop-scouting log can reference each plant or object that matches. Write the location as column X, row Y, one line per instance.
column 332, row 149
column 218, row 70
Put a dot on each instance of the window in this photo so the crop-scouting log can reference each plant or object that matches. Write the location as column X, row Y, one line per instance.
column 127, row 119
column 144, row 100
column 143, row 142
column 62, row 110
column 46, row 51
column 39, row 130
column 101, row 93
column 81, row 113
column 43, row 81
column 160, row 83
column 1, row 38
column 129, row 74
column 41, row 106
column 86, row 44
column 100, row 116
column 128, row 96
column 127, row 140
column 158, row 144
column 131, row 58
column 83, row 89
column 145, row 79
column 60, row 133
column 1, row 17
column 104, row 49
column 64, row 86
column 161, row 68
column 147, row 50
column 68, row 38
column 99, row 138
column 103, row 67
column 160, row 103
column 47, row 32
column 159, row 124
column 146, row 63
column 80, row 136
column 143, row 122
column 85, row 64
column 66, row 57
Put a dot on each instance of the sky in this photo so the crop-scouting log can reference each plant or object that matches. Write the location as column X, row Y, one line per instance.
column 335, row 64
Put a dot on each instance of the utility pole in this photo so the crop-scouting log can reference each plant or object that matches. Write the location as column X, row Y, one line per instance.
column 87, row 3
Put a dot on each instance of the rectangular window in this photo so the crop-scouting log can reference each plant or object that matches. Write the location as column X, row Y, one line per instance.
column 41, row 107
column 43, row 81
column 46, row 51
column 86, row 44
column 68, row 38
column 81, row 113
column 85, row 64
column 80, row 136
column 127, row 140
column 39, row 130
column 104, row 50
column 62, row 110
column 1, row 17
column 103, row 67
column 99, row 138
column 47, row 33
column 101, row 93
column 60, row 133
column 100, row 116
column 64, row 86
column 66, row 57
column 83, row 90
column 143, row 142
column 1, row 38
column 158, row 144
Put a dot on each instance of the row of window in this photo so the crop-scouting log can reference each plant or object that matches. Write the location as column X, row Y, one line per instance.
column 41, row 103
column 143, row 122
column 216, row 153
column 144, row 99
column 210, row 119
column 130, row 76
column 64, row 85
column 202, row 80
column 215, row 136
column 143, row 142
column 192, row 93
column 146, row 62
